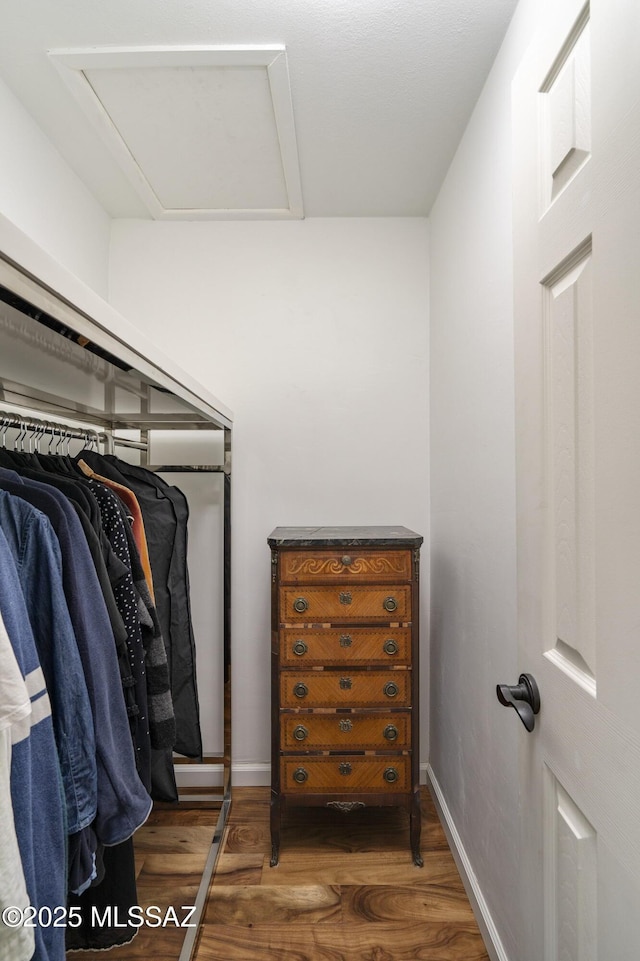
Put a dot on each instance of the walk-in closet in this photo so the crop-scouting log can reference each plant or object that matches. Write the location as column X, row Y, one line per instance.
column 399, row 241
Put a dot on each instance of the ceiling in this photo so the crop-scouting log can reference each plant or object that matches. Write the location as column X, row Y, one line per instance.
column 205, row 109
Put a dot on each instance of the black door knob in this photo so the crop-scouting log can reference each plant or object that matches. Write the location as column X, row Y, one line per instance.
column 524, row 697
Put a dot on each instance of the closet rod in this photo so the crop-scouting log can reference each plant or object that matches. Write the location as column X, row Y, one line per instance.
column 39, row 427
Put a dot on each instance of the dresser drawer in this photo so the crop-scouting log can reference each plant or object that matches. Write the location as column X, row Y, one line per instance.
column 304, row 604
column 343, row 564
column 346, row 732
column 354, row 645
column 345, row 775
column 302, row 689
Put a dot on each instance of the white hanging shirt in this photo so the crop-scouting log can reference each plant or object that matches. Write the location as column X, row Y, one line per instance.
column 16, row 944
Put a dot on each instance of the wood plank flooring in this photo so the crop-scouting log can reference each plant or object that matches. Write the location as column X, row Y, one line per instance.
column 171, row 850
column 346, row 888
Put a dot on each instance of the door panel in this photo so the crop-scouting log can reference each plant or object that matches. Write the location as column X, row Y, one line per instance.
column 570, row 876
column 576, row 118
column 568, row 411
column 565, row 108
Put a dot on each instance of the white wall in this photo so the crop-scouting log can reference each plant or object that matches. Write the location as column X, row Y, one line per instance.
column 474, row 741
column 314, row 332
column 42, row 196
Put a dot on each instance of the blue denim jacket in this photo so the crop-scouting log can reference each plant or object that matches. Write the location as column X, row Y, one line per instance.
column 36, row 791
column 36, row 555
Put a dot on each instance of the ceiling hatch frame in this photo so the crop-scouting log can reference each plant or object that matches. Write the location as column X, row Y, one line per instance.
column 71, row 64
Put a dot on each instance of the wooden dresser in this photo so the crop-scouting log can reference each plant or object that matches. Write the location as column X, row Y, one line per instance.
column 344, row 663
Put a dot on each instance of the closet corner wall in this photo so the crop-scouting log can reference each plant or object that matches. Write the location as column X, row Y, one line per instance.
column 67, row 358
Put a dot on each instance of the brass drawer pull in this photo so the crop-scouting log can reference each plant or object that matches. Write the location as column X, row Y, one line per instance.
column 390, row 732
column 300, row 689
column 300, row 732
column 300, row 605
column 390, row 646
column 390, row 604
column 300, row 647
column 390, row 775
column 300, row 775
column 390, row 689
column 347, row 561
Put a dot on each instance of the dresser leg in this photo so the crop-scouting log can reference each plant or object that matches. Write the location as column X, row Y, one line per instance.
column 274, row 854
column 275, row 830
column 415, row 828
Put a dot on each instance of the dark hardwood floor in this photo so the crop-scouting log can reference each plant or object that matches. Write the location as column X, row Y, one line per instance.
column 346, row 888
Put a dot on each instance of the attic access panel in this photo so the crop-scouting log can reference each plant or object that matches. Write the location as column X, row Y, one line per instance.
column 200, row 132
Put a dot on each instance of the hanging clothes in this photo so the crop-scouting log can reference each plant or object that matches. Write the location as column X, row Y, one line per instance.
column 127, row 601
column 100, row 597
column 16, row 943
column 116, row 517
column 130, row 501
column 123, row 803
column 116, row 891
column 155, row 725
column 165, row 512
column 109, row 568
column 36, row 556
column 37, row 793
column 90, row 861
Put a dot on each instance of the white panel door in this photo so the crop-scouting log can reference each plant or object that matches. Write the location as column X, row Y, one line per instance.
column 576, row 113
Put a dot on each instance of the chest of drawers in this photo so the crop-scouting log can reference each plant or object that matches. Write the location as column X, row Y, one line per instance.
column 344, row 671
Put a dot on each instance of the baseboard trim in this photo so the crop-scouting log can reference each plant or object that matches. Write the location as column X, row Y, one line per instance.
column 488, row 930
column 251, row 774
column 244, row 774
